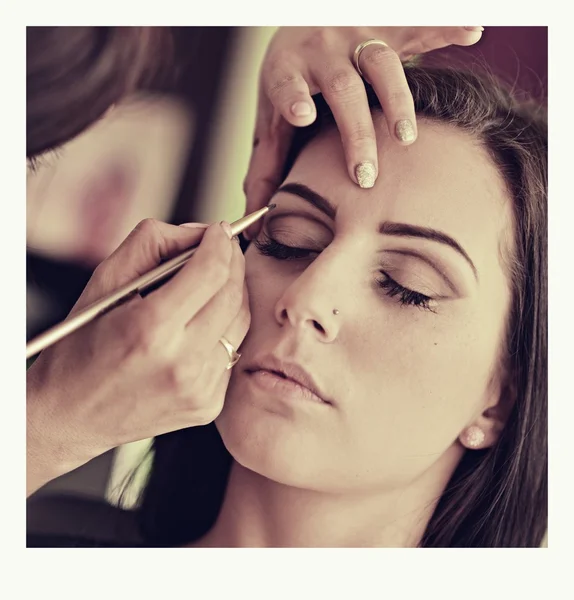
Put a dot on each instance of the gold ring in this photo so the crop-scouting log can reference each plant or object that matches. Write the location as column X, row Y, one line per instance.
column 360, row 48
column 234, row 356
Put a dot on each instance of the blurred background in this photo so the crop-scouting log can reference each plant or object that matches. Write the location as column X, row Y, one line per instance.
column 178, row 152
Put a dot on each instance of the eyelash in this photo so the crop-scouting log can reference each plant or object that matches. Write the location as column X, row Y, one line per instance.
column 35, row 163
column 406, row 297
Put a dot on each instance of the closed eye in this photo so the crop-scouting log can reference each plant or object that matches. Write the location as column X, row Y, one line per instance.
column 405, row 296
column 270, row 247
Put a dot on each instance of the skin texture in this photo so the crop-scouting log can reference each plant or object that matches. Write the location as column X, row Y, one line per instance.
column 404, row 382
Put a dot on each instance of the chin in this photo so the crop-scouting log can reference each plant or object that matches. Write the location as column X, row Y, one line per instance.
column 266, row 441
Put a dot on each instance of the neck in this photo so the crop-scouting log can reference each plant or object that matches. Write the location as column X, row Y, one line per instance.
column 258, row 512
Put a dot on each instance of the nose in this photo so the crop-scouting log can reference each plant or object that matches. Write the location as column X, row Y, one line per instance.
column 309, row 305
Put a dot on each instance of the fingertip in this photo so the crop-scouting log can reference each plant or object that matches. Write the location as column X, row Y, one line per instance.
column 365, row 174
column 301, row 113
column 405, row 131
column 226, row 228
column 301, row 108
column 468, row 36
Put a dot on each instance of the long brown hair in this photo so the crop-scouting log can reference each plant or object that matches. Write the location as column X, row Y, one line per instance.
column 496, row 497
column 75, row 74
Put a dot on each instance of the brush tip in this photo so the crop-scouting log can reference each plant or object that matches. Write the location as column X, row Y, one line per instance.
column 271, row 206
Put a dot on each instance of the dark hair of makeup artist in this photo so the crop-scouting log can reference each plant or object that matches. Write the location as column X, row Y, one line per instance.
column 75, row 74
column 496, row 497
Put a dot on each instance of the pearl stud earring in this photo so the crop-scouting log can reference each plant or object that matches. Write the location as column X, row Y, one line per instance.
column 474, row 436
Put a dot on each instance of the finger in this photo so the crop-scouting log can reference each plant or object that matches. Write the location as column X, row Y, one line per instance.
column 218, row 381
column 419, row 40
column 217, row 390
column 206, row 272
column 216, row 377
column 234, row 334
column 383, row 69
column 147, row 245
column 220, row 388
column 260, row 192
column 226, row 315
column 344, row 91
column 467, row 37
column 288, row 92
column 215, row 318
column 272, row 140
column 237, row 331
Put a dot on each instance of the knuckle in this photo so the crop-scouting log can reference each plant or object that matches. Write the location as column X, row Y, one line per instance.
column 177, row 377
column 279, row 84
column 147, row 227
column 360, row 135
column 194, row 368
column 320, row 38
column 144, row 328
column 204, row 409
column 378, row 56
column 341, row 83
column 208, row 414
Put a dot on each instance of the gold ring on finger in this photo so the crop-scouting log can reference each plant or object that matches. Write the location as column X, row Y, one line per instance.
column 359, row 49
column 234, row 356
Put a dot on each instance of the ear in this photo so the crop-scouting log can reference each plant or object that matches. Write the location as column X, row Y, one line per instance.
column 485, row 429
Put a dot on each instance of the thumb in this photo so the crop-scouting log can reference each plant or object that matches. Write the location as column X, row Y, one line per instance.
column 149, row 244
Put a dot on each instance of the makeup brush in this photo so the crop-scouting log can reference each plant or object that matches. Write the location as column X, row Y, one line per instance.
column 145, row 283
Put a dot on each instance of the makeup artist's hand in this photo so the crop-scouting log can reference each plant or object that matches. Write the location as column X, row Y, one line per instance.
column 302, row 61
column 148, row 367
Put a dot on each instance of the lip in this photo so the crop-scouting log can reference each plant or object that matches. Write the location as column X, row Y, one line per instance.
column 289, row 372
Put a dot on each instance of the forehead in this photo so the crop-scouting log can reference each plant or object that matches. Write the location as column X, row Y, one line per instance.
column 445, row 180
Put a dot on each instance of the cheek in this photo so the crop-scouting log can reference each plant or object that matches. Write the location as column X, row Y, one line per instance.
column 418, row 380
column 265, row 286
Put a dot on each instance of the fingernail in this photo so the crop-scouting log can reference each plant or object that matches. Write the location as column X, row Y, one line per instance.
column 366, row 174
column 301, row 109
column 194, row 225
column 405, row 130
column 235, row 238
column 477, row 28
column 227, row 228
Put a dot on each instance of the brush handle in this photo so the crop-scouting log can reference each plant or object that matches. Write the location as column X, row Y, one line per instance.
column 142, row 285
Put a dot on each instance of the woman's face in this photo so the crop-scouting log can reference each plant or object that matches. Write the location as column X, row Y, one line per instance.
column 414, row 267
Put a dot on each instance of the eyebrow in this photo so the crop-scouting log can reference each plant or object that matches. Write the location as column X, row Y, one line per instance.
column 298, row 189
column 386, row 228
column 406, row 230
